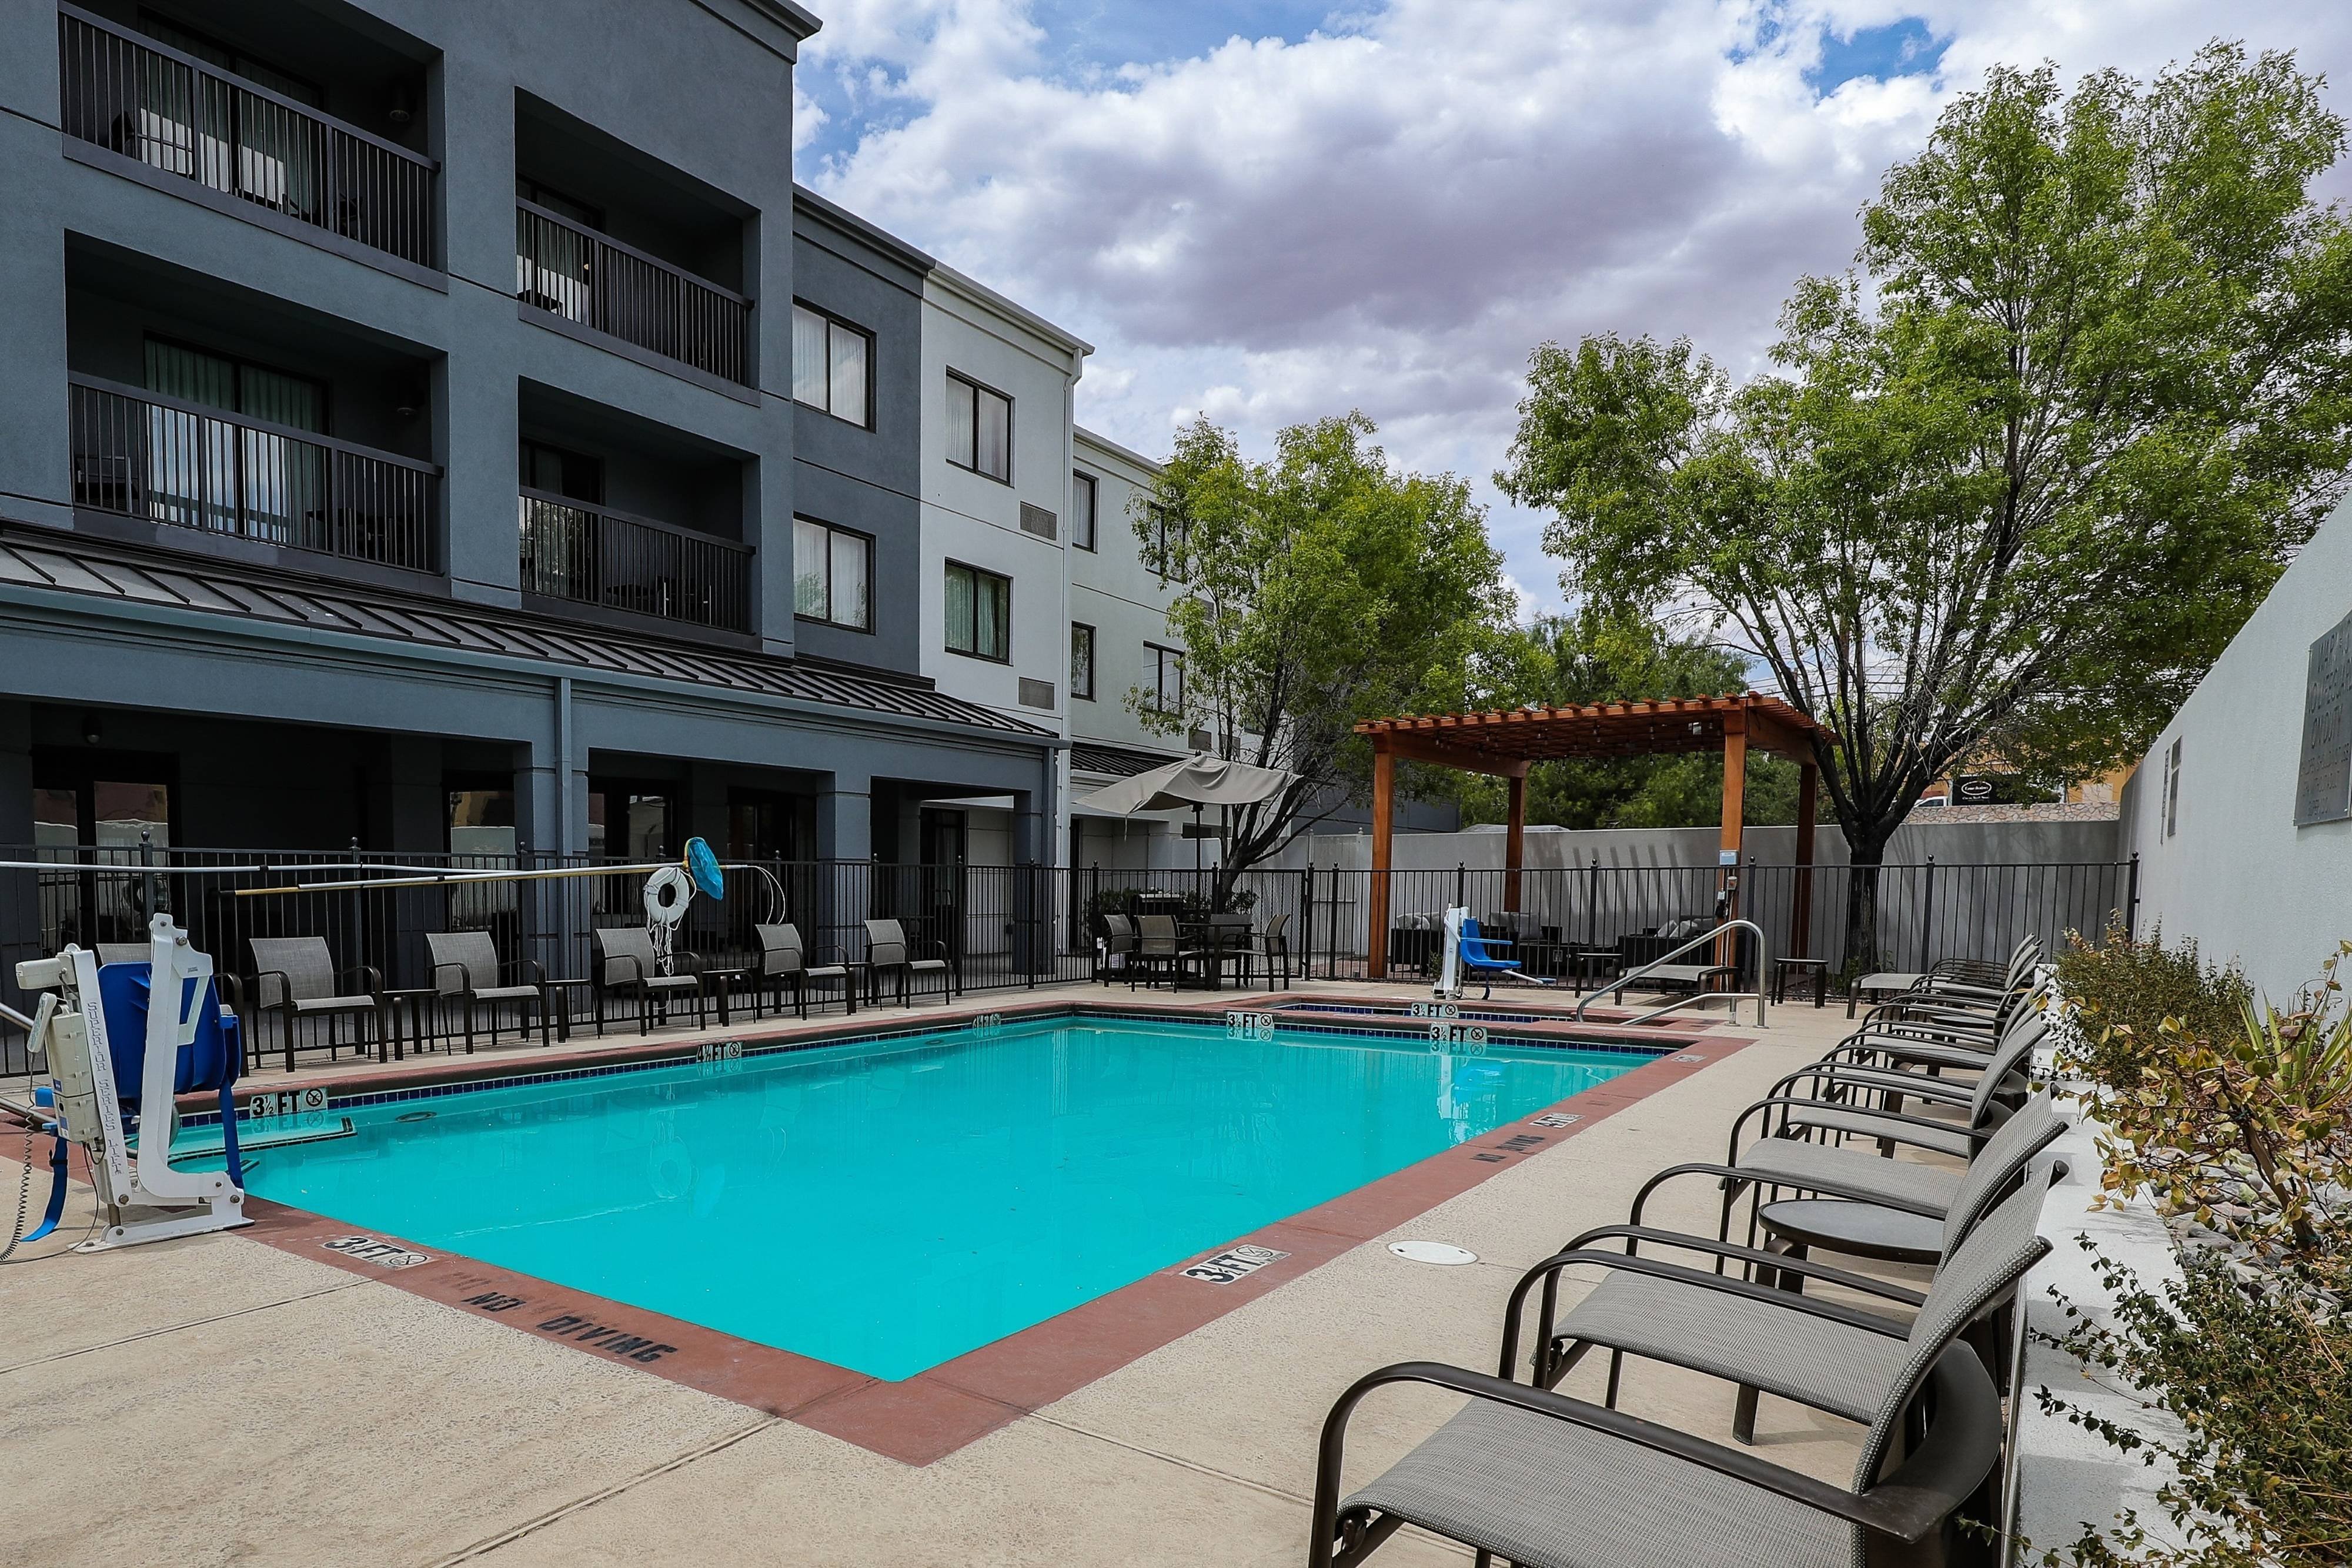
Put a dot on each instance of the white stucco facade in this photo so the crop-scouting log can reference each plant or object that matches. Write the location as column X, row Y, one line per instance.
column 2221, row 858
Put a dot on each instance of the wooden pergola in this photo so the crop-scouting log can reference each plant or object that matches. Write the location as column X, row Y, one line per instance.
column 1506, row 743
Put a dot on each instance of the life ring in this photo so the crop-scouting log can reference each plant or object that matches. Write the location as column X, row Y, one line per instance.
column 667, row 893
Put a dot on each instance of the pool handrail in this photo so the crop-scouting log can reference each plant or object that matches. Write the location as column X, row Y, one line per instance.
column 1735, row 997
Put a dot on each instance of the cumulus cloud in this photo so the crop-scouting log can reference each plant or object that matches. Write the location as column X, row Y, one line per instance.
column 1389, row 211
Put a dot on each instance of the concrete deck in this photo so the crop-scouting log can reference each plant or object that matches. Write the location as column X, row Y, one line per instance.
column 221, row 1400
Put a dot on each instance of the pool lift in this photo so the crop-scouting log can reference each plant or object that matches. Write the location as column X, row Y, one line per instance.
column 122, row 1040
column 1471, row 953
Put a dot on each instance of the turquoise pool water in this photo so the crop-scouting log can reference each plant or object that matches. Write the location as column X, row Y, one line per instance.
column 890, row 1204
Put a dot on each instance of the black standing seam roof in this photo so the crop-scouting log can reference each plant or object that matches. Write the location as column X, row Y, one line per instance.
column 127, row 572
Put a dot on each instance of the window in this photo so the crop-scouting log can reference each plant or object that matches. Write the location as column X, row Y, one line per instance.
column 1082, row 661
column 833, row 575
column 1169, row 538
column 830, row 361
column 2172, row 788
column 559, row 471
column 1163, row 679
column 1082, row 510
column 980, row 614
column 980, row 429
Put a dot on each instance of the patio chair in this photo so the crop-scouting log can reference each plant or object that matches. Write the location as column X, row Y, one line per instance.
column 1224, row 940
column 1867, row 1205
column 465, row 964
column 1272, row 945
column 627, row 965
column 887, row 949
column 1547, row 1481
column 1157, row 950
column 781, row 962
column 1118, row 941
column 1829, row 1356
column 296, row 978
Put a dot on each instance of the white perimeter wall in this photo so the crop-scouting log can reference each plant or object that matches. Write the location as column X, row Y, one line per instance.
column 2239, row 875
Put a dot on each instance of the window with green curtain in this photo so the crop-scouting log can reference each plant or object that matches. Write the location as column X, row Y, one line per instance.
column 980, row 613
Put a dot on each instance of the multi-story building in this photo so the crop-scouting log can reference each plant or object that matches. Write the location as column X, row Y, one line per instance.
column 412, row 441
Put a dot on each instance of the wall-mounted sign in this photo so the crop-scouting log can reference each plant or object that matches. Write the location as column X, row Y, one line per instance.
column 1974, row 789
column 2323, row 786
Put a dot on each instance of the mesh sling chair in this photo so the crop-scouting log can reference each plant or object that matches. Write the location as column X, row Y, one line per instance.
column 887, row 949
column 1740, row 1329
column 296, row 978
column 626, row 965
column 1118, row 942
column 1157, row 950
column 782, row 962
column 1547, row 1481
column 1273, row 945
column 1866, row 1204
column 465, row 964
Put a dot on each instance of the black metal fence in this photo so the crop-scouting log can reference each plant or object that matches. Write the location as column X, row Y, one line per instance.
column 1015, row 925
column 593, row 555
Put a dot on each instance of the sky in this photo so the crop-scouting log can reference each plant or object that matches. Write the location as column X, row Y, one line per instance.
column 1269, row 211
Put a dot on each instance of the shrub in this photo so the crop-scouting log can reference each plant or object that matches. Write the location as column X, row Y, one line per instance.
column 2260, row 1374
column 2118, row 993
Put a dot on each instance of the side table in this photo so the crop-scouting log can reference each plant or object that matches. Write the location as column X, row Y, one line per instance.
column 563, row 1013
column 1818, row 967
column 418, row 1000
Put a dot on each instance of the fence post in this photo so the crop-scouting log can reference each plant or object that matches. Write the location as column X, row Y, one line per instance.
column 2131, row 900
column 1927, row 920
column 1306, row 915
column 1593, row 903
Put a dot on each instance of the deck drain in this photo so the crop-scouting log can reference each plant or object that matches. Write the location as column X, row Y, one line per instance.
column 1439, row 1252
column 416, row 1116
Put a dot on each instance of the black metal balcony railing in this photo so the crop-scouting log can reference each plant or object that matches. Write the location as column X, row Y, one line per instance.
column 142, row 455
column 584, row 276
column 178, row 114
column 593, row 555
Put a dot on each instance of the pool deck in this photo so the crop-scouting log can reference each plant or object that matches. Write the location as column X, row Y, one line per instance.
column 252, row 1398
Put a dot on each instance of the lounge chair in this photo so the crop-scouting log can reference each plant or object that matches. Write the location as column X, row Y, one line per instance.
column 627, row 965
column 887, row 950
column 1548, row 1482
column 296, row 978
column 1862, row 1204
column 782, row 963
column 465, row 964
column 1762, row 1336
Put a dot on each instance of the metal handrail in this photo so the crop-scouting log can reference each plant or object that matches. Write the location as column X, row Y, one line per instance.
column 549, row 498
column 1660, row 962
column 632, row 252
column 246, row 421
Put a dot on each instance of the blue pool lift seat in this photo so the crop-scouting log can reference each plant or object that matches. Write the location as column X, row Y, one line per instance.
column 207, row 1064
column 1482, row 962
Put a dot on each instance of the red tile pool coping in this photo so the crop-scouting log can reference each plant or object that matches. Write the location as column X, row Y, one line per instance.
column 935, row 1412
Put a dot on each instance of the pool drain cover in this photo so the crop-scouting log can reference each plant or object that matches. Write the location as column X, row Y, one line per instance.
column 1438, row 1252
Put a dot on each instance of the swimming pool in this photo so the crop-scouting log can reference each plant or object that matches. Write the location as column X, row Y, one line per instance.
column 888, row 1205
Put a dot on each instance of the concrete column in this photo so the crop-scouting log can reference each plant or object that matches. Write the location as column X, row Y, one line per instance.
column 17, row 774
column 475, row 390
column 844, row 895
column 36, row 445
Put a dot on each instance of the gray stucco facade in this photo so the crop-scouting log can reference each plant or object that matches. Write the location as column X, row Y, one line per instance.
column 362, row 264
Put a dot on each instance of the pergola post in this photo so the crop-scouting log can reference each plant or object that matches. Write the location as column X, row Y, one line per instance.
column 1735, row 809
column 1376, row 902
column 1800, row 901
column 1515, row 839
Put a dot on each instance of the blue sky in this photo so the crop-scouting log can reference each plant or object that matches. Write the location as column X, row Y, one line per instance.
column 1269, row 211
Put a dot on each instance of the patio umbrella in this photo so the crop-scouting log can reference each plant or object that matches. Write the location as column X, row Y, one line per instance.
column 1196, row 781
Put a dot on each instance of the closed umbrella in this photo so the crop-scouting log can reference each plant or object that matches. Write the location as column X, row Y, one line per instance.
column 1197, row 780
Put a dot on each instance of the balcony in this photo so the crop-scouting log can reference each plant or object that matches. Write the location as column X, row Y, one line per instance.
column 138, row 454
column 591, row 555
column 583, row 276
column 185, row 118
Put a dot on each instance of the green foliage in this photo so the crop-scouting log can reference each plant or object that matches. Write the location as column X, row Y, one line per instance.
column 2119, row 992
column 2259, row 1373
column 2015, row 485
column 2248, row 1130
column 1321, row 587
column 1591, row 657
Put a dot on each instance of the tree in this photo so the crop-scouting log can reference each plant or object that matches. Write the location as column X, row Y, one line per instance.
column 1320, row 588
column 2015, row 483
column 1589, row 657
